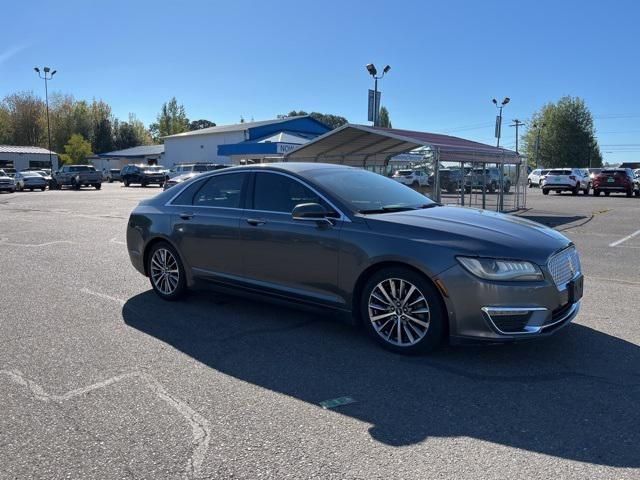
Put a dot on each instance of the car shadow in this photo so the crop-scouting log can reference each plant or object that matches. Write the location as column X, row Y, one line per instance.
column 554, row 220
column 574, row 395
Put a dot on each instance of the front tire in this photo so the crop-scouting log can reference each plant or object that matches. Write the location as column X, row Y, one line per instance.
column 402, row 311
column 545, row 191
column 606, row 194
column 166, row 272
column 126, row 182
column 98, row 186
column 586, row 190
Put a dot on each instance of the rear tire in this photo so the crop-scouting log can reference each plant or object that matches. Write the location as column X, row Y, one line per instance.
column 606, row 194
column 545, row 191
column 126, row 182
column 596, row 192
column 629, row 193
column 110, row 180
column 166, row 272
column 576, row 190
column 586, row 190
column 98, row 186
column 530, row 183
column 407, row 324
column 637, row 193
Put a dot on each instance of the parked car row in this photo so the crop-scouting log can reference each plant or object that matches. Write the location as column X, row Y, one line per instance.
column 453, row 179
column 576, row 180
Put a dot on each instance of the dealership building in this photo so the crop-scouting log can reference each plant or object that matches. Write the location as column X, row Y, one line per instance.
column 249, row 142
column 21, row 158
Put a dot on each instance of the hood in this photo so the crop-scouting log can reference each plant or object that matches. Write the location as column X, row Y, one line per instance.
column 471, row 231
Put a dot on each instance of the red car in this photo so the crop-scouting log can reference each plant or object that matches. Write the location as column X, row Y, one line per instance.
column 614, row 180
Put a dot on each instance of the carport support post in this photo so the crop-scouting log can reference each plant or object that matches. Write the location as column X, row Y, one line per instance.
column 484, row 185
column 436, row 175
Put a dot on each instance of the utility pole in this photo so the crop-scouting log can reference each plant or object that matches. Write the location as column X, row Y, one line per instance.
column 517, row 123
column 539, row 128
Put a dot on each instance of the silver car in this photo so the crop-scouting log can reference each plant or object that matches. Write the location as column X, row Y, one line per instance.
column 30, row 180
column 413, row 272
column 7, row 183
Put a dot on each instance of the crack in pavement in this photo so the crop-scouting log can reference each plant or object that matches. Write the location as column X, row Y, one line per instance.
column 200, row 428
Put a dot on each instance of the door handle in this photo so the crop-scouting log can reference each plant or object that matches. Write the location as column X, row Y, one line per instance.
column 186, row 216
column 256, row 221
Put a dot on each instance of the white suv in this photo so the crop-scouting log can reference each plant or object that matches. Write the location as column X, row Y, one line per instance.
column 567, row 179
column 536, row 177
column 411, row 177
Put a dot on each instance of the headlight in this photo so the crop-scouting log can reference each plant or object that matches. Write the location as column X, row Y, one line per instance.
column 500, row 269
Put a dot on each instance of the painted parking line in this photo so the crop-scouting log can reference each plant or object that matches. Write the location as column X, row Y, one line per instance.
column 624, row 239
column 116, row 241
column 5, row 241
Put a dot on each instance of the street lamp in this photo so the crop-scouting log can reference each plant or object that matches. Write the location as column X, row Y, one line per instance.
column 499, row 119
column 371, row 68
column 48, row 75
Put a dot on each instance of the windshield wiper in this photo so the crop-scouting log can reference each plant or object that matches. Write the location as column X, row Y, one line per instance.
column 396, row 208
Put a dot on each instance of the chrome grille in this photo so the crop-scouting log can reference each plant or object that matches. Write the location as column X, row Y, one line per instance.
column 564, row 266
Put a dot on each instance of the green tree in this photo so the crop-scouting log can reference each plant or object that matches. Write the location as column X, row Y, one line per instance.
column 76, row 150
column 200, row 124
column 566, row 133
column 172, row 119
column 102, row 139
column 384, row 120
column 26, row 119
column 331, row 121
column 6, row 133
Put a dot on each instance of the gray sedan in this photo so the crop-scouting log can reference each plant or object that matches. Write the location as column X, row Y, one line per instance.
column 412, row 271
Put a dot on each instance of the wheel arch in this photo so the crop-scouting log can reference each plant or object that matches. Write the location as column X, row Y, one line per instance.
column 376, row 267
column 147, row 250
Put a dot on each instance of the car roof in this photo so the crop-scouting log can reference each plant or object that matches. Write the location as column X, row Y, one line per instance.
column 290, row 167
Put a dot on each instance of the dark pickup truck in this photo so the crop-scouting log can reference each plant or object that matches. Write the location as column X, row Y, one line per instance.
column 76, row 176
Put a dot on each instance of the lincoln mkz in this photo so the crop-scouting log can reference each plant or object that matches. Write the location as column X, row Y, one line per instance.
column 413, row 272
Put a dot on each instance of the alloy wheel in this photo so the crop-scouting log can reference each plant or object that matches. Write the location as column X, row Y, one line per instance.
column 165, row 273
column 399, row 312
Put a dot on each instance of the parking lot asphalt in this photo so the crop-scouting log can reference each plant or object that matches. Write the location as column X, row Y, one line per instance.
column 101, row 379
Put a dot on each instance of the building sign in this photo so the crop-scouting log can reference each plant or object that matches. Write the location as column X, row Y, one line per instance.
column 286, row 147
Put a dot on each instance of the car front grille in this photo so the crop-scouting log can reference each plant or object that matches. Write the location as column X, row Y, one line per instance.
column 564, row 266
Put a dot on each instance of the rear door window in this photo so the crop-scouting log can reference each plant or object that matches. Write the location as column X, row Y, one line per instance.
column 221, row 191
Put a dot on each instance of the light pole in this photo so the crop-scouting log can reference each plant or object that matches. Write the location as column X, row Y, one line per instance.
column 499, row 119
column 538, row 127
column 371, row 68
column 46, row 77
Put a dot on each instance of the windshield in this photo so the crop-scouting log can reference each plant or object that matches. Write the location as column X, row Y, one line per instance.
column 199, row 168
column 404, row 172
column 368, row 192
column 560, row 172
column 81, row 168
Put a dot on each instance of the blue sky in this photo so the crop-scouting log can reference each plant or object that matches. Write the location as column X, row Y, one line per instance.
column 254, row 59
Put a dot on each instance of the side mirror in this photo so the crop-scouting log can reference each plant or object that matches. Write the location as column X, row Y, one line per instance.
column 310, row 212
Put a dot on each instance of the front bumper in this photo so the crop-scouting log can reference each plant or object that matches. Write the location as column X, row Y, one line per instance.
column 559, row 186
column 503, row 311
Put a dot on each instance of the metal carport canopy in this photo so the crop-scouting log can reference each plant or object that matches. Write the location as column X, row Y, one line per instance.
column 361, row 145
